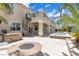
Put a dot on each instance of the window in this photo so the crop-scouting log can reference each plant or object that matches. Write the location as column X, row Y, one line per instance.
column 28, row 16
column 15, row 27
column 30, row 29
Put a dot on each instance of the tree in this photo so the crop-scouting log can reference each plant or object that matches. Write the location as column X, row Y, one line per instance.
column 73, row 9
column 6, row 9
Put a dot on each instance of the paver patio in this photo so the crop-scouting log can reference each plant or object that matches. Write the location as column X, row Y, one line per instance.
column 50, row 46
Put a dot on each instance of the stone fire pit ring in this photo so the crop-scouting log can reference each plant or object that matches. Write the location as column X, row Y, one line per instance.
column 28, row 49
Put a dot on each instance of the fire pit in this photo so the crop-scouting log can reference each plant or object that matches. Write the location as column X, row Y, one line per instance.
column 26, row 49
column 26, row 46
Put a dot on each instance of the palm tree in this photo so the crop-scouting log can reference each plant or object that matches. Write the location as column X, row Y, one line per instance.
column 7, row 10
column 73, row 9
column 58, row 23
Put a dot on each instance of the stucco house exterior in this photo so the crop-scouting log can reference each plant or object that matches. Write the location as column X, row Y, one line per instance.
column 39, row 25
column 25, row 21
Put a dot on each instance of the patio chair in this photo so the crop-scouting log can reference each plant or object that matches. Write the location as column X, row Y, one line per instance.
column 72, row 48
column 75, row 51
column 70, row 45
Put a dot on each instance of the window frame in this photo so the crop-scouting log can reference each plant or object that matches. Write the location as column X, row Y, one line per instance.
column 15, row 26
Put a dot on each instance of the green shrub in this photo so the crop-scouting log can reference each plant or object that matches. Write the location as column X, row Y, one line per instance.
column 76, row 35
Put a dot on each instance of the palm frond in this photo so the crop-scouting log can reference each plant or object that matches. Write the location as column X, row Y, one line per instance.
column 3, row 19
column 66, row 19
column 70, row 8
column 59, row 22
column 6, row 8
column 77, row 4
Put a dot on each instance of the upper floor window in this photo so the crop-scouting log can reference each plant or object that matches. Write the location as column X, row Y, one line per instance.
column 28, row 16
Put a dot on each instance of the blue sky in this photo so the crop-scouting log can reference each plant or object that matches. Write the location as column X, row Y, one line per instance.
column 51, row 9
column 48, row 7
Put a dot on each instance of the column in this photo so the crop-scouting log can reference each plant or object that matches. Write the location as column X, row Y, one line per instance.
column 40, row 29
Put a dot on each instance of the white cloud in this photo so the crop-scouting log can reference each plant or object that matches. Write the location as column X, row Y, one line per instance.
column 47, row 5
column 26, row 4
column 52, row 14
column 56, row 15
